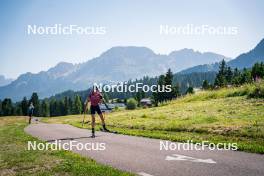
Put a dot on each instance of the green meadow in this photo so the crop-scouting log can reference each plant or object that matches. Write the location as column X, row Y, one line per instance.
column 15, row 159
column 227, row 115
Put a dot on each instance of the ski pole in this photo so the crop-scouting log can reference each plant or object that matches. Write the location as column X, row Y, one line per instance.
column 84, row 110
column 83, row 118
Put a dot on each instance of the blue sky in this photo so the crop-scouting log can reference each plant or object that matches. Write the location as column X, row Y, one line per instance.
column 127, row 23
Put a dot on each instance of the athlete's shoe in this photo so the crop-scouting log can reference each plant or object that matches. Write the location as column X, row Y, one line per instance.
column 105, row 129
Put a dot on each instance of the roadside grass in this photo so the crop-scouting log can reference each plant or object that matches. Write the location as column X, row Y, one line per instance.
column 15, row 159
column 223, row 116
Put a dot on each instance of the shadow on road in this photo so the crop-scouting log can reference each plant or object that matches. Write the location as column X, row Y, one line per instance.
column 65, row 139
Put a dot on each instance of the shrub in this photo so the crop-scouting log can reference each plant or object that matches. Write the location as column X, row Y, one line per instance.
column 131, row 103
column 190, row 90
column 258, row 92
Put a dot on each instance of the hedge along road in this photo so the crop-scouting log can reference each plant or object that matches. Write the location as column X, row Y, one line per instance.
column 143, row 155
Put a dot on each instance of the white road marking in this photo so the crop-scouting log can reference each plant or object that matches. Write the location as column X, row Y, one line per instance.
column 176, row 157
column 144, row 174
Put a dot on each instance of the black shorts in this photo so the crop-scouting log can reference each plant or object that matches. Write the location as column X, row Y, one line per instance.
column 95, row 109
column 30, row 114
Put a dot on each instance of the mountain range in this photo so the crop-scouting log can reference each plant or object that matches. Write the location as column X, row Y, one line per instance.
column 245, row 60
column 120, row 64
column 114, row 65
column 4, row 81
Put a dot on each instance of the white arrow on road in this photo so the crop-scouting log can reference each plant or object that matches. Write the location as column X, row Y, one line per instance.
column 144, row 174
column 176, row 157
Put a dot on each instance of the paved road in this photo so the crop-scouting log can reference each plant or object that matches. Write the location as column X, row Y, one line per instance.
column 143, row 156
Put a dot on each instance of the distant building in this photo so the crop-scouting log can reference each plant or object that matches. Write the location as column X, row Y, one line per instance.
column 258, row 79
column 145, row 102
column 105, row 109
column 196, row 89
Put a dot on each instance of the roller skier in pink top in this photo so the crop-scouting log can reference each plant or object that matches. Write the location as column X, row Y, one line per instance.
column 95, row 97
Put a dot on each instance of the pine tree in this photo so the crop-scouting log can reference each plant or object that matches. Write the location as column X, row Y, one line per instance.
column 168, row 82
column 143, row 94
column 77, row 106
column 168, row 77
column 24, row 106
column 190, row 90
column 58, row 108
column 236, row 77
column 45, row 110
column 229, row 75
column 138, row 98
column 18, row 109
column 162, row 95
column 205, row 85
column 1, row 111
column 62, row 108
column 245, row 76
column 52, row 107
column 220, row 79
column 7, row 107
column 70, row 104
column 175, row 91
column 158, row 95
column 66, row 105
column 258, row 70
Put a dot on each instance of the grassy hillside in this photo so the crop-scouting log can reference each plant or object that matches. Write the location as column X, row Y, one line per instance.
column 225, row 115
column 15, row 159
